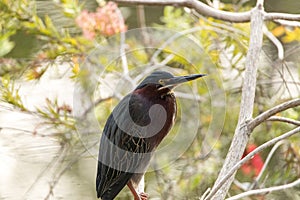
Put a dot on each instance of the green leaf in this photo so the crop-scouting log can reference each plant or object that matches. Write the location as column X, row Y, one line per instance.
column 5, row 46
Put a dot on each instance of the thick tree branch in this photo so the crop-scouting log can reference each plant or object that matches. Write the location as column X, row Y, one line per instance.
column 242, row 131
column 265, row 190
column 279, row 108
column 203, row 9
column 248, row 157
column 196, row 5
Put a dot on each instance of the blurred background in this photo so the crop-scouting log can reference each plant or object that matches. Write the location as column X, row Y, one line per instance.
column 64, row 65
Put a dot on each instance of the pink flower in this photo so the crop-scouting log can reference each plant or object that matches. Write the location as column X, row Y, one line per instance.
column 107, row 21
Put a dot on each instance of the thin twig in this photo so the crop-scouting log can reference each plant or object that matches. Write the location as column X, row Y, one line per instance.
column 170, row 40
column 205, row 194
column 181, row 34
column 122, row 47
column 248, row 157
column 142, row 24
column 56, row 159
column 17, row 129
column 270, row 155
column 68, row 167
column 292, row 77
column 279, row 108
column 284, row 119
column 97, row 102
column 275, row 41
column 141, row 16
column 189, row 96
column 221, row 26
column 265, row 190
column 209, row 3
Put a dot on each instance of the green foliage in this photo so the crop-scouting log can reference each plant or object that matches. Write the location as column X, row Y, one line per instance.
column 57, row 115
column 21, row 16
column 59, row 118
column 71, row 8
column 176, row 18
column 10, row 94
column 5, row 44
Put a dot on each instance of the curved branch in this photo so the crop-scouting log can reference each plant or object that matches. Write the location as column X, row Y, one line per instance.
column 248, row 157
column 202, row 8
column 196, row 5
column 265, row 190
column 279, row 108
column 284, row 119
column 275, row 41
column 270, row 155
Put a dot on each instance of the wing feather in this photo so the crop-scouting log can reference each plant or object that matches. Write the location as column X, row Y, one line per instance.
column 121, row 155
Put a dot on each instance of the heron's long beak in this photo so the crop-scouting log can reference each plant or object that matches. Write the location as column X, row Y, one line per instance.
column 173, row 82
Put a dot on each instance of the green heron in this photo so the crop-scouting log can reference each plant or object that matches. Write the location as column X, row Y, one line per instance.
column 132, row 132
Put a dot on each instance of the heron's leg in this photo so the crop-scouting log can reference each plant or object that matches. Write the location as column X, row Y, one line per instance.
column 141, row 196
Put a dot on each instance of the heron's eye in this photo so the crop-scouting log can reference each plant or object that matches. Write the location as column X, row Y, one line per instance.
column 161, row 82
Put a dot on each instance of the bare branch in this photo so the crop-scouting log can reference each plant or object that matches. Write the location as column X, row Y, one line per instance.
column 17, row 129
column 279, row 108
column 196, row 5
column 181, row 34
column 237, row 17
column 209, row 3
column 171, row 39
column 122, row 47
column 282, row 16
column 141, row 16
column 98, row 101
column 288, row 23
column 242, row 131
column 284, row 119
column 71, row 163
column 205, row 194
column 275, row 41
column 248, row 157
column 123, row 54
column 270, row 155
column 265, row 190
column 189, row 96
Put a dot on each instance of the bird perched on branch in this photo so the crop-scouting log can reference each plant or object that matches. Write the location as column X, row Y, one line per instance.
column 132, row 132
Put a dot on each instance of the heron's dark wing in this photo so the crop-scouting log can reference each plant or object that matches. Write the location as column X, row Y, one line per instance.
column 122, row 153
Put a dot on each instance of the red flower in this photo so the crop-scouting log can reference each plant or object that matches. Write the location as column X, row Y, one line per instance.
column 253, row 166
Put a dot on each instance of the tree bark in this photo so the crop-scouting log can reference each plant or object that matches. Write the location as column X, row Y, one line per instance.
column 242, row 130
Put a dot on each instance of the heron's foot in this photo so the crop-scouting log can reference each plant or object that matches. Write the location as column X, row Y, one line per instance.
column 142, row 196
